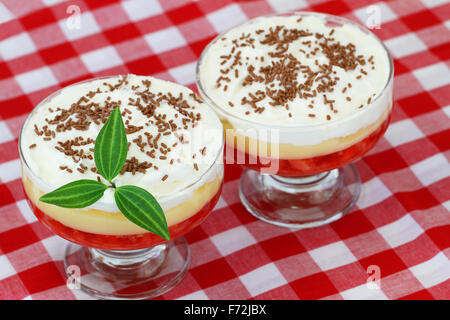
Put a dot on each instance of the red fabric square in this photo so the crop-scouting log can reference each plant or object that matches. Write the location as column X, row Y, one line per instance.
column 282, row 246
column 117, row 34
column 332, row 7
column 399, row 67
column 388, row 262
column 233, row 172
column 441, row 140
column 352, row 224
column 212, row 273
column 196, row 234
column 421, row 20
column 17, row 238
column 4, row 71
column 42, row 277
column 442, row 51
column 242, row 214
column 386, row 161
column 184, row 13
column 6, row 196
column 57, row 53
column 417, row 200
column 418, row 104
column 440, row 236
column 38, row 18
column 315, row 286
column 146, row 66
column 198, row 46
column 94, row 4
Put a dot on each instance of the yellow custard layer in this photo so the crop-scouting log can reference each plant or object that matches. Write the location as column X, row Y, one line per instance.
column 115, row 223
column 256, row 147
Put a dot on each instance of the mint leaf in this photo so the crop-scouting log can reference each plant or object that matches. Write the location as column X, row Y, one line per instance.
column 141, row 208
column 77, row 194
column 111, row 147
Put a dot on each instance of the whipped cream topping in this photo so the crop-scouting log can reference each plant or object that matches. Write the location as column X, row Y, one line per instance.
column 295, row 71
column 174, row 138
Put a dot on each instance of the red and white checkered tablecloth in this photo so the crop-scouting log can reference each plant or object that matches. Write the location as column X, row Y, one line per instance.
column 401, row 222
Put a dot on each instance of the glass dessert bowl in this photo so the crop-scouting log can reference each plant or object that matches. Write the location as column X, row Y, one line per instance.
column 301, row 96
column 175, row 148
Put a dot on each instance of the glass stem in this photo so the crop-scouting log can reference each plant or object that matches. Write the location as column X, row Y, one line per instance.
column 104, row 260
column 301, row 180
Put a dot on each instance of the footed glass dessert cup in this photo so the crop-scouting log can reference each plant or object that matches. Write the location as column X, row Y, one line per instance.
column 109, row 256
column 299, row 102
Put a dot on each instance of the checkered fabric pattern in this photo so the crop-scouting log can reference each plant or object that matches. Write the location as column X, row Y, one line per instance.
column 401, row 222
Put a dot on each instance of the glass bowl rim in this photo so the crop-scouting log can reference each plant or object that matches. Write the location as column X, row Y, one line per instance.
column 303, row 128
column 50, row 96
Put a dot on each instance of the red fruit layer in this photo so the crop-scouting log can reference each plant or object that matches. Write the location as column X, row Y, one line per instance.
column 315, row 165
column 126, row 242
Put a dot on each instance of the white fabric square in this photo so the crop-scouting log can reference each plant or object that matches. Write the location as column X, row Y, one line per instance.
column 101, row 59
column 433, row 3
column 433, row 271
column 263, row 279
column 5, row 14
column 141, row 9
column 227, row 17
column 399, row 232
column 364, row 292
column 36, row 79
column 332, row 255
column 373, row 191
column 380, row 9
column 10, row 171
column 81, row 295
column 447, row 110
column 434, row 76
column 287, row 5
column 165, row 40
column 82, row 26
column 220, row 204
column 6, row 269
column 16, row 46
column 56, row 247
column 26, row 211
column 52, row 2
column 233, row 240
column 446, row 204
column 432, row 169
column 405, row 45
column 402, row 132
column 184, row 74
column 5, row 134
column 197, row 295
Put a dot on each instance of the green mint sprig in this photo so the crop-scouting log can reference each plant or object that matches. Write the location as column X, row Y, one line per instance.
column 110, row 153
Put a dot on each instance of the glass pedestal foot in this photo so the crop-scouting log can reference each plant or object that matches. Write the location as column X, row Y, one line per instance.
column 134, row 274
column 300, row 202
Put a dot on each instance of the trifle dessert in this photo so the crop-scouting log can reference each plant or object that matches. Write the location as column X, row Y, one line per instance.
column 299, row 95
column 175, row 147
